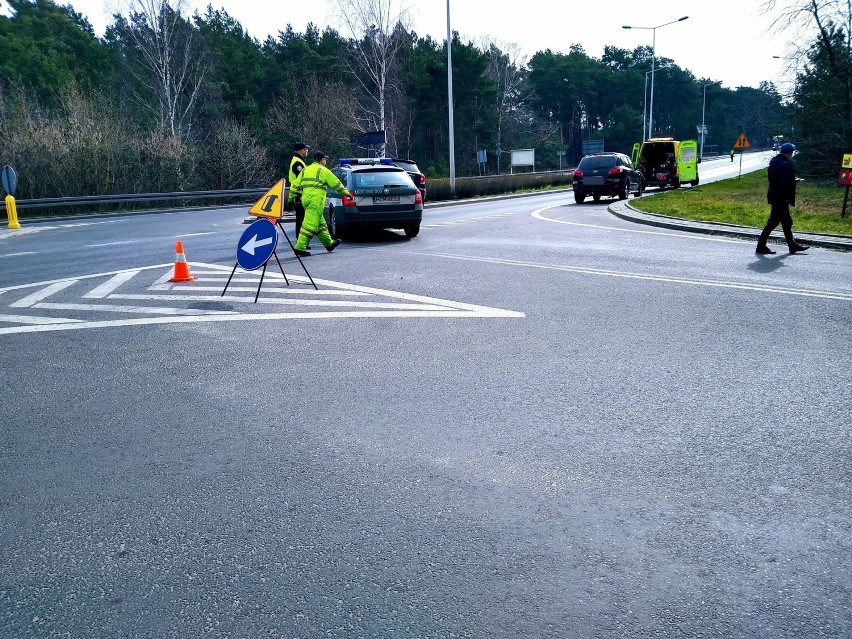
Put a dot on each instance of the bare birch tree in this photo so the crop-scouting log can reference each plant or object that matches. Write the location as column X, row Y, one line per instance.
column 373, row 25
column 174, row 65
column 822, row 60
column 506, row 70
column 326, row 128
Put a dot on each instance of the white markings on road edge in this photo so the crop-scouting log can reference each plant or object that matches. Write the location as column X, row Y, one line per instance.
column 35, row 319
column 401, row 304
column 846, row 297
column 110, row 285
column 682, row 234
column 36, row 297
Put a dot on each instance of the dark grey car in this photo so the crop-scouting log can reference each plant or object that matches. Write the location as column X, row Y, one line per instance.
column 606, row 175
column 382, row 196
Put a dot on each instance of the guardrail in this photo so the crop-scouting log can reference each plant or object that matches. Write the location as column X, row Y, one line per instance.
column 98, row 200
column 439, row 189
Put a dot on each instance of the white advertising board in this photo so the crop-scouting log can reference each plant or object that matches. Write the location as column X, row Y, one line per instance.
column 523, row 157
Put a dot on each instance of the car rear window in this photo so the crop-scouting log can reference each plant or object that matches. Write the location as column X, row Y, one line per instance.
column 597, row 162
column 380, row 177
column 408, row 166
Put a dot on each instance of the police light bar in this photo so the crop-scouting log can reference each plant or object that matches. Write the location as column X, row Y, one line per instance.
column 371, row 161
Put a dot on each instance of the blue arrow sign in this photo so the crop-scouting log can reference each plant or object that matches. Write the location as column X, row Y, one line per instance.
column 256, row 244
column 9, row 179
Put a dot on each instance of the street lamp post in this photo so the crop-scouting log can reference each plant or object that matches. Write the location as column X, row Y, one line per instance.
column 653, row 63
column 645, row 103
column 704, row 104
column 450, row 104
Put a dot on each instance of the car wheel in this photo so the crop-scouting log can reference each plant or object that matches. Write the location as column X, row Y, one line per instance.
column 596, row 197
column 640, row 188
column 579, row 197
column 695, row 181
column 676, row 183
column 625, row 190
column 332, row 223
column 411, row 230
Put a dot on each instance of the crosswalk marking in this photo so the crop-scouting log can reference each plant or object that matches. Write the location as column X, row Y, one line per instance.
column 114, row 308
column 166, row 302
column 110, row 285
column 35, row 319
column 39, row 295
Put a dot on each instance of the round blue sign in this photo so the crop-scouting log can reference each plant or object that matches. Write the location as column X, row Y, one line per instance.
column 9, row 179
column 256, row 244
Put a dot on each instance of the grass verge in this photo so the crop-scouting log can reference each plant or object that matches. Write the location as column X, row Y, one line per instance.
column 742, row 201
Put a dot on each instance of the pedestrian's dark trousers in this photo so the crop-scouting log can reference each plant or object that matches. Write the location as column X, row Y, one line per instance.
column 778, row 214
column 300, row 215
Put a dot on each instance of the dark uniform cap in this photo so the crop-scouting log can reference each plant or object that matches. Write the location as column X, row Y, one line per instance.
column 786, row 148
column 318, row 156
column 299, row 146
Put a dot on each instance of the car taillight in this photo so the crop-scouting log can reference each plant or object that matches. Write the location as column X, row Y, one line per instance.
column 422, row 180
column 348, row 200
column 418, row 197
column 578, row 173
column 615, row 171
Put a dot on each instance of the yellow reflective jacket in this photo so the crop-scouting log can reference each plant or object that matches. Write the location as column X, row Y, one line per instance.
column 297, row 165
column 316, row 178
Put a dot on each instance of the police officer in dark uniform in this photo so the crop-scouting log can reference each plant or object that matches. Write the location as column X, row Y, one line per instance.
column 781, row 196
column 297, row 165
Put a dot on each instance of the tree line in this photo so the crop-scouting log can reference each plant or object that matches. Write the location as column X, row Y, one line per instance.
column 166, row 102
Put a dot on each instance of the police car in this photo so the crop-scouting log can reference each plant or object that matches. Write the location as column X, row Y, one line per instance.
column 382, row 196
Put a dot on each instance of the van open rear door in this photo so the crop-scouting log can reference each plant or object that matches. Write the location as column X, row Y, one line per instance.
column 687, row 162
column 634, row 157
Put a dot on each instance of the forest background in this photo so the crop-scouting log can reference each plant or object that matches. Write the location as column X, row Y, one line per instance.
column 168, row 102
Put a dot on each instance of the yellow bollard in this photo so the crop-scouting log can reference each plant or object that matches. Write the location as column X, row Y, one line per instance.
column 12, row 212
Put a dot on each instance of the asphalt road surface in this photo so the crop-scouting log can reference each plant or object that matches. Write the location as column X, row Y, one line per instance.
column 532, row 420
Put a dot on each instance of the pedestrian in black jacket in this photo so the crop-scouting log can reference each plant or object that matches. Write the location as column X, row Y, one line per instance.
column 781, row 196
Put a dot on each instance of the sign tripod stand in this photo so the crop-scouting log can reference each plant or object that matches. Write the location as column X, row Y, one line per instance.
column 257, row 243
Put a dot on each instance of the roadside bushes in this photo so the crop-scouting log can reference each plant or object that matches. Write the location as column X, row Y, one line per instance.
column 85, row 146
column 467, row 187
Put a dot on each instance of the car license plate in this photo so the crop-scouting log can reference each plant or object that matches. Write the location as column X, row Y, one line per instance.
column 594, row 180
column 384, row 199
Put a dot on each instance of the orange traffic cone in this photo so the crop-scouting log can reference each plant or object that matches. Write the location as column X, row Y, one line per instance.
column 182, row 273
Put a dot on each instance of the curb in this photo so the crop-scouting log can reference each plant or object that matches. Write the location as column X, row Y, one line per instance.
column 629, row 213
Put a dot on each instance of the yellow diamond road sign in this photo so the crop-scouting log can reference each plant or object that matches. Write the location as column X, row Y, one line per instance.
column 742, row 142
column 272, row 203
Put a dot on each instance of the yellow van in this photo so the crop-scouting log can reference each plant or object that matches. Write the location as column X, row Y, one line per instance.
column 666, row 162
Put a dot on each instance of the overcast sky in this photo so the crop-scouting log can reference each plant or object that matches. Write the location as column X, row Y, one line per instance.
column 727, row 40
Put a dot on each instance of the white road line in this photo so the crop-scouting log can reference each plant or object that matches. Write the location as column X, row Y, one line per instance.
column 246, row 289
column 71, row 225
column 19, row 254
column 80, row 278
column 114, row 243
column 247, row 317
column 113, row 308
column 390, row 304
column 41, row 294
column 110, row 285
column 682, row 234
column 34, row 319
column 262, row 300
column 845, row 297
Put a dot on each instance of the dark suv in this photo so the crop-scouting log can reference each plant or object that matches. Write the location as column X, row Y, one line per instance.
column 382, row 195
column 608, row 175
column 417, row 177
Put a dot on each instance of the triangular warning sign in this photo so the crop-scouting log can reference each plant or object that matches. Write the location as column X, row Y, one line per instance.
column 271, row 205
column 742, row 142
